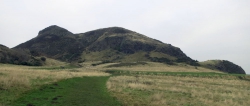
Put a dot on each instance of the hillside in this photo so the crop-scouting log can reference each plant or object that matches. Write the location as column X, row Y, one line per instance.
column 54, row 42
column 19, row 57
column 223, row 65
column 112, row 44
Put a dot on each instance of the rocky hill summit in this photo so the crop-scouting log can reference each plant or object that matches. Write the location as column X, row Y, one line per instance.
column 54, row 30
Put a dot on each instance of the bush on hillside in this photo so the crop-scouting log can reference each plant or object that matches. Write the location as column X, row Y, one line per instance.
column 43, row 58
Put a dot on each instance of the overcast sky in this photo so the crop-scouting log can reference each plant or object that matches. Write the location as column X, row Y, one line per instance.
column 203, row 29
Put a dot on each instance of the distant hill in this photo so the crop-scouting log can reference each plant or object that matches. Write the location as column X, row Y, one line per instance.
column 18, row 57
column 113, row 44
column 223, row 65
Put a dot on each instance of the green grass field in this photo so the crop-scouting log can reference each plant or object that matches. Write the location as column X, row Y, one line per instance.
column 84, row 91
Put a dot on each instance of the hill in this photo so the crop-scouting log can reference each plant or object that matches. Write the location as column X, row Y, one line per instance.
column 19, row 57
column 223, row 65
column 112, row 44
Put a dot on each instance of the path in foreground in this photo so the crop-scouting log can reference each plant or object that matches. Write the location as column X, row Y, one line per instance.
column 85, row 91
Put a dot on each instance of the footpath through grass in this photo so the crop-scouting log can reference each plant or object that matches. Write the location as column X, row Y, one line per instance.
column 84, row 91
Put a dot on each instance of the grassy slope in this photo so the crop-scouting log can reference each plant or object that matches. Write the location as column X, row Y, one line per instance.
column 180, row 88
column 90, row 91
column 180, row 85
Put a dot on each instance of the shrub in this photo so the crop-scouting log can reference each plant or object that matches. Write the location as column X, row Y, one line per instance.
column 43, row 58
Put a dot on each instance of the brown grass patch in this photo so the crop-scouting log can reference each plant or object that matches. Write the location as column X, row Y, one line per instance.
column 23, row 77
column 177, row 90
